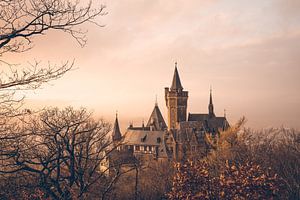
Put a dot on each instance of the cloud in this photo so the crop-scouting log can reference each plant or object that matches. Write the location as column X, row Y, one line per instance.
column 247, row 50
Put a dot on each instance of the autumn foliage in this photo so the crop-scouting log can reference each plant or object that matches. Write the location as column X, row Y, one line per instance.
column 197, row 180
column 229, row 171
column 191, row 181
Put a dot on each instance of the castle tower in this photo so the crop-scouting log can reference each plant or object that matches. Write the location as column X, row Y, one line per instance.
column 210, row 105
column 116, row 134
column 176, row 101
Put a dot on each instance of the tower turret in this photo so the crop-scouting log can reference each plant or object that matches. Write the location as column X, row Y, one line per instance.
column 176, row 101
column 176, row 83
column 210, row 105
column 116, row 134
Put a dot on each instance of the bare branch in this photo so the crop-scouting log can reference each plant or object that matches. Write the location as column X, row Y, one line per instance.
column 23, row 19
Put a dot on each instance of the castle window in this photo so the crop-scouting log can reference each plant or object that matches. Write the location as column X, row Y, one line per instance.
column 137, row 148
column 158, row 140
column 130, row 148
column 154, row 149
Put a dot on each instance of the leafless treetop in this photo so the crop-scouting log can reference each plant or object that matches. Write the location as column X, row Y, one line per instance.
column 20, row 20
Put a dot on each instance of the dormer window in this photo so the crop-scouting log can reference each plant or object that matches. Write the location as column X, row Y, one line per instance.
column 158, row 140
column 143, row 139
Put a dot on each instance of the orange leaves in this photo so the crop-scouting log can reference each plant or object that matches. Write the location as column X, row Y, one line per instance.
column 198, row 180
column 36, row 194
column 191, row 181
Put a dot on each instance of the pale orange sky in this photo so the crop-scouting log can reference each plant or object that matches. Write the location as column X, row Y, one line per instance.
column 249, row 51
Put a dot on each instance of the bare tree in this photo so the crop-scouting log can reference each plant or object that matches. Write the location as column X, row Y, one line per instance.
column 20, row 22
column 63, row 149
column 278, row 149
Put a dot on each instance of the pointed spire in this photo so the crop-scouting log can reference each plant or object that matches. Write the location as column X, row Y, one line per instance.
column 225, row 113
column 156, row 119
column 116, row 134
column 210, row 96
column 156, row 104
column 176, row 84
column 210, row 105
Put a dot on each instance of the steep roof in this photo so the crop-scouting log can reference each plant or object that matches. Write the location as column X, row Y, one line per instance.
column 149, row 138
column 139, row 128
column 219, row 122
column 116, row 134
column 156, row 119
column 176, row 84
column 210, row 123
column 142, row 137
column 197, row 117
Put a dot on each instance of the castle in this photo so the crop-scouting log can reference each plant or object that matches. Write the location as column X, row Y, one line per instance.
column 182, row 138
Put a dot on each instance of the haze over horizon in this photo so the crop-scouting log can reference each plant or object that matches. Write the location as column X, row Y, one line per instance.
column 248, row 51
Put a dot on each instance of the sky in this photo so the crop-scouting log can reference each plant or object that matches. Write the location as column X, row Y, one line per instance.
column 248, row 51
